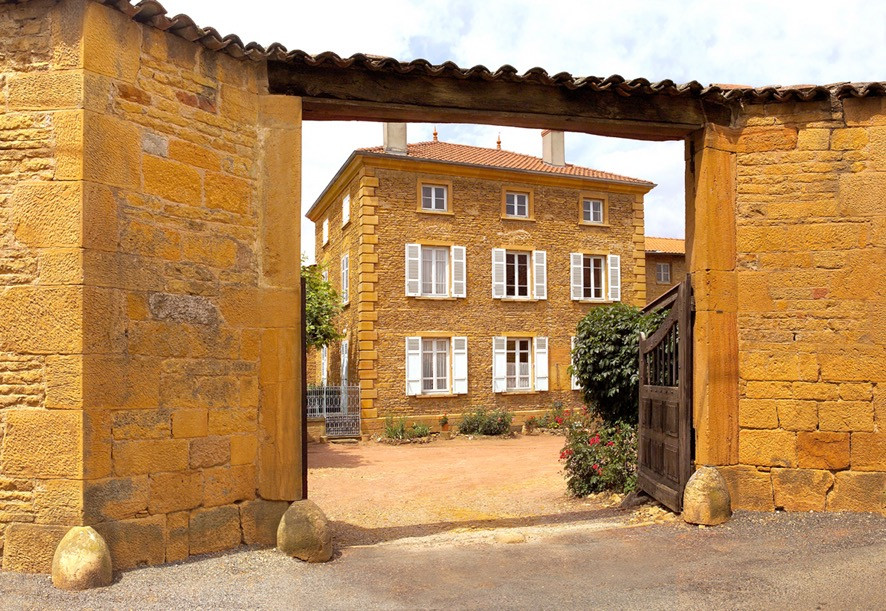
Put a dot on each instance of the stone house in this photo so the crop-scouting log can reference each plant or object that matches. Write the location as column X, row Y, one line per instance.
column 665, row 265
column 485, row 260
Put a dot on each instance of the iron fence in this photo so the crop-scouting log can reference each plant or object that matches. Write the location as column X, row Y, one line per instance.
column 339, row 406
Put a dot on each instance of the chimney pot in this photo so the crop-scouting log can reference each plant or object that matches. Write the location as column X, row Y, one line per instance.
column 553, row 148
column 395, row 138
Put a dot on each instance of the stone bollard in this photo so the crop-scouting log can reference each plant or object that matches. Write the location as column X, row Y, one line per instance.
column 706, row 498
column 82, row 561
column 304, row 533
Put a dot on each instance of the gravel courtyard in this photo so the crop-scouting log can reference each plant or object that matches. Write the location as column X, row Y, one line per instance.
column 373, row 492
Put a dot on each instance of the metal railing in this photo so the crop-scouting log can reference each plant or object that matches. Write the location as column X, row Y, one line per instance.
column 339, row 406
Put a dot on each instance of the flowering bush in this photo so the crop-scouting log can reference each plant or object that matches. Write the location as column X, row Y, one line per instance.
column 600, row 458
column 496, row 422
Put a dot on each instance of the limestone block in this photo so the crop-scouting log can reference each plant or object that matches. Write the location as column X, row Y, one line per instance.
column 135, row 542
column 767, row 448
column 177, row 539
column 846, row 416
column 111, row 43
column 175, row 491
column 868, row 451
column 82, row 561
column 59, row 502
column 855, row 491
column 823, row 450
column 42, row 320
column 304, row 533
column 225, row 485
column 43, row 444
column 29, row 548
column 172, row 180
column 115, row 498
column 210, row 452
column 150, row 456
column 228, row 193
column 706, row 498
column 260, row 519
column 190, row 423
column 749, row 488
column 193, row 155
column 243, row 449
column 111, row 151
column 801, row 489
column 215, row 529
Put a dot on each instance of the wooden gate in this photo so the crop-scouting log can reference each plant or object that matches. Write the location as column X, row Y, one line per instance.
column 665, row 433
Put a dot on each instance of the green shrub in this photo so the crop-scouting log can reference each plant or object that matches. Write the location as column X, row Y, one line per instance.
column 496, row 422
column 530, row 424
column 606, row 359
column 600, row 459
column 419, row 430
column 398, row 429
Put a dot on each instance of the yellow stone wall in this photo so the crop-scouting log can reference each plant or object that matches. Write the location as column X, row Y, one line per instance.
column 654, row 288
column 380, row 316
column 148, row 366
column 809, row 296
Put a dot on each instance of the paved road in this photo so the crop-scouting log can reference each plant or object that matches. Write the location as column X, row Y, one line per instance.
column 757, row 561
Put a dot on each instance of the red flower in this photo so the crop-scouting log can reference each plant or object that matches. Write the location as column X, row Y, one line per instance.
column 597, row 468
column 594, row 440
column 610, row 443
column 565, row 454
column 559, row 420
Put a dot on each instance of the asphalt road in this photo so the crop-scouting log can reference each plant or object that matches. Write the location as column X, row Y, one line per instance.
column 756, row 561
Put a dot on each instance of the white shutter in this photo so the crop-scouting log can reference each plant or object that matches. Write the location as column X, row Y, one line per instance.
column 459, row 365
column 576, row 385
column 413, row 365
column 413, row 270
column 325, row 231
column 499, row 363
column 324, row 365
column 498, row 273
column 344, row 362
column 575, row 275
column 459, row 271
column 541, row 363
column 540, row 273
column 345, row 281
column 345, row 209
column 614, row 278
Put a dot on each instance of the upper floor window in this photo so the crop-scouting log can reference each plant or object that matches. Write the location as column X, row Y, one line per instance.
column 345, row 210
column 595, row 277
column 517, row 204
column 519, row 274
column 592, row 211
column 663, row 273
column 435, row 198
column 325, row 231
column 436, row 271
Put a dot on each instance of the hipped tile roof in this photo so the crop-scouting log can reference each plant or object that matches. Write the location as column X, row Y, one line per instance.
column 152, row 13
column 670, row 246
column 498, row 158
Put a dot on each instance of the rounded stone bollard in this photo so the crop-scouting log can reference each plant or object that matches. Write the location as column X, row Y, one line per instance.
column 82, row 561
column 706, row 498
column 304, row 533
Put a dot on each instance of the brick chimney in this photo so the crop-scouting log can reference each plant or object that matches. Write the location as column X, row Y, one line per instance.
column 395, row 138
column 553, row 149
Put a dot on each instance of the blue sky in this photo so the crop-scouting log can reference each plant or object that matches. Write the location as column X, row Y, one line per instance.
column 753, row 43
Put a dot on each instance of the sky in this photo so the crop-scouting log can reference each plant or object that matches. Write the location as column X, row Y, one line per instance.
column 751, row 43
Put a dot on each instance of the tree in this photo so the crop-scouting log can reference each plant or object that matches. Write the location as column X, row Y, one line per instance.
column 322, row 305
column 606, row 359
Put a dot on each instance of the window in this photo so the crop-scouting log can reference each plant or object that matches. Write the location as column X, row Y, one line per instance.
column 517, row 204
column 345, row 210
column 344, row 278
column 519, row 364
column 324, row 365
column 434, row 198
column 436, row 271
column 325, row 232
column 343, row 371
column 663, row 273
column 514, row 272
column 589, row 279
column 592, row 211
column 434, row 365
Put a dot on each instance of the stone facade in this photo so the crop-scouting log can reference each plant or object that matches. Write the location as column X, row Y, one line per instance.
column 149, row 349
column 379, row 316
column 668, row 252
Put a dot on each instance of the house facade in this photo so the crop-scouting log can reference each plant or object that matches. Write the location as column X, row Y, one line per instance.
column 665, row 265
column 464, row 271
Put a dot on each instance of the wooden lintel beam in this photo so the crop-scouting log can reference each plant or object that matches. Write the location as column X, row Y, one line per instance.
column 332, row 93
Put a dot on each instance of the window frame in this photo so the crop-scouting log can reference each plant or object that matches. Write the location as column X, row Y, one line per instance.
column 446, row 185
column 585, row 259
column 530, row 385
column 529, row 274
column 585, row 196
column 435, row 352
column 447, row 272
column 659, row 266
column 517, row 190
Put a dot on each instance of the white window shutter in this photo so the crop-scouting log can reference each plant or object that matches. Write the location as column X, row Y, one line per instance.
column 324, row 365
column 540, row 273
column 345, row 280
column 344, row 362
column 459, row 272
column 498, row 273
column 575, row 275
column 614, row 278
column 576, row 385
column 459, row 365
column 413, row 270
column 413, row 365
column 541, row 363
column 345, row 209
column 499, row 363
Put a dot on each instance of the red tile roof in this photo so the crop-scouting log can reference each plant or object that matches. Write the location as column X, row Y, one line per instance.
column 670, row 246
column 497, row 158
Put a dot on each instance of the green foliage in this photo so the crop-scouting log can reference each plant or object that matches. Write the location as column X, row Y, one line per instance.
column 598, row 459
column 496, row 422
column 555, row 418
column 444, row 420
column 530, row 424
column 398, row 429
column 606, row 359
column 322, row 305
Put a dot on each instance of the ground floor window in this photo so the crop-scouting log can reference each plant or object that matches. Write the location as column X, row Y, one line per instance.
column 435, row 365
column 519, row 364
column 519, row 367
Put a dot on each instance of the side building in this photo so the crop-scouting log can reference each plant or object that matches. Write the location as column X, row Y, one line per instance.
column 464, row 271
column 665, row 265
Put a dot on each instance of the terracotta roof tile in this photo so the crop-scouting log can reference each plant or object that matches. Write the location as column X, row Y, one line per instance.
column 498, row 158
column 671, row 246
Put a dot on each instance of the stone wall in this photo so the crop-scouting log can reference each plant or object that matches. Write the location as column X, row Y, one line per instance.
column 654, row 288
column 380, row 316
column 810, row 297
column 148, row 367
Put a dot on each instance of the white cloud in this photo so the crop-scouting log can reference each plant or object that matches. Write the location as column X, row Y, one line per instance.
column 756, row 43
